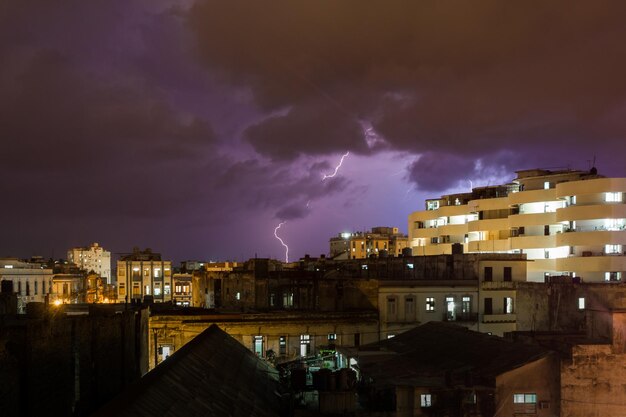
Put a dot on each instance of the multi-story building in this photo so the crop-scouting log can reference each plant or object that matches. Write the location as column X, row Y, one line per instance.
column 567, row 222
column 359, row 245
column 144, row 273
column 93, row 258
column 31, row 281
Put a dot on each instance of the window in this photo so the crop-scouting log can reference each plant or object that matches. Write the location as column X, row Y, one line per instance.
column 508, row 305
column 508, row 273
column 147, row 290
column 488, row 306
column 466, row 304
column 432, row 205
column 612, row 249
column 238, row 296
column 282, row 345
column 426, row 400
column 288, row 299
column 488, row 273
column 581, row 303
column 612, row 276
column 409, row 308
column 332, row 337
column 166, row 290
column 524, row 403
column 357, row 339
column 450, row 309
column 157, row 272
column 546, row 185
column 36, row 287
column 391, row 336
column 430, row 304
column 305, row 344
column 613, row 197
column 258, row 346
column 272, row 299
column 391, row 306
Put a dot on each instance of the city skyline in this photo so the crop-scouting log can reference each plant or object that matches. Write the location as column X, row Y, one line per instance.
column 196, row 128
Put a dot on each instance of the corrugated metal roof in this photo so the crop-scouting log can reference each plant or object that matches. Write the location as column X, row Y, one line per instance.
column 212, row 375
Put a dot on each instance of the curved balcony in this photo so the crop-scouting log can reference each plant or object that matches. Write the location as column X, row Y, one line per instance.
column 533, row 219
column 500, row 245
column 591, row 238
column 489, row 204
column 488, row 224
column 460, row 210
column 595, row 186
column 434, row 249
column 533, row 196
column 453, row 230
column 543, row 265
column 423, row 215
column 425, row 233
column 533, row 242
column 594, row 211
column 597, row 262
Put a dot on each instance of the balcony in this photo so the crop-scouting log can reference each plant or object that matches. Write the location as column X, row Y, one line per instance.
column 500, row 245
column 590, row 237
column 489, row 224
column 533, row 196
column 533, row 242
column 532, row 219
column 592, row 211
column 592, row 262
column 500, row 318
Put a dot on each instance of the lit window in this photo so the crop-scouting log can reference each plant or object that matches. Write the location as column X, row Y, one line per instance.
column 332, row 336
column 613, row 197
column 305, row 344
column 238, row 296
column 426, row 400
column 612, row 276
column 611, row 249
column 430, row 304
column 508, row 305
column 364, row 266
column 391, row 336
column 410, row 266
column 581, row 303
column 546, row 185
column 258, row 346
column 524, row 398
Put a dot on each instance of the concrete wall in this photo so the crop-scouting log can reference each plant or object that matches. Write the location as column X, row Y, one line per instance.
column 541, row 378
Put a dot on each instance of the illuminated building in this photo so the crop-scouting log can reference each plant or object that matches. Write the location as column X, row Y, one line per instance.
column 142, row 274
column 359, row 245
column 93, row 258
column 31, row 281
column 567, row 222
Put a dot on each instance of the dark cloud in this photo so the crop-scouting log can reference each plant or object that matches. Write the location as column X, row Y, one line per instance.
column 436, row 171
column 471, row 79
column 309, row 129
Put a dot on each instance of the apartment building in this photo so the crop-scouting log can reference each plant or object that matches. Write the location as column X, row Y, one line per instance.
column 92, row 258
column 144, row 274
column 567, row 222
column 360, row 245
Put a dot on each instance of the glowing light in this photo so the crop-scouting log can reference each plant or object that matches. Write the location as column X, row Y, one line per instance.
column 337, row 167
column 57, row 302
column 281, row 241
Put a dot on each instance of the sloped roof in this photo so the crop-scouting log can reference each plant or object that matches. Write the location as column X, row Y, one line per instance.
column 436, row 353
column 212, row 375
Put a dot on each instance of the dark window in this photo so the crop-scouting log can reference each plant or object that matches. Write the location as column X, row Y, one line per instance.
column 508, row 273
column 546, row 230
column 521, row 230
column 488, row 273
column 488, row 306
column 357, row 339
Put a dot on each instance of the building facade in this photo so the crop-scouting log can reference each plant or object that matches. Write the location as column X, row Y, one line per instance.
column 360, row 245
column 31, row 281
column 92, row 258
column 566, row 222
column 144, row 274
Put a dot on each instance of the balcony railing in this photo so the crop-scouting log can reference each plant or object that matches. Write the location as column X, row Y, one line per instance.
column 461, row 317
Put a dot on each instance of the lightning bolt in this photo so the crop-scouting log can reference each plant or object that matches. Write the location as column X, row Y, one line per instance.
column 281, row 241
column 337, row 167
column 471, row 184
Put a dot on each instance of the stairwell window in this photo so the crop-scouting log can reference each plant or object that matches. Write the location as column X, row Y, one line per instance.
column 426, row 400
column 430, row 304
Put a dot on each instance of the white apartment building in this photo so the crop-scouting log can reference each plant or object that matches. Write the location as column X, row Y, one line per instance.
column 93, row 258
column 31, row 281
column 567, row 222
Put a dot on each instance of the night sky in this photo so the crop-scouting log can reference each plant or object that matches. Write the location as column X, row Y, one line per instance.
column 195, row 127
